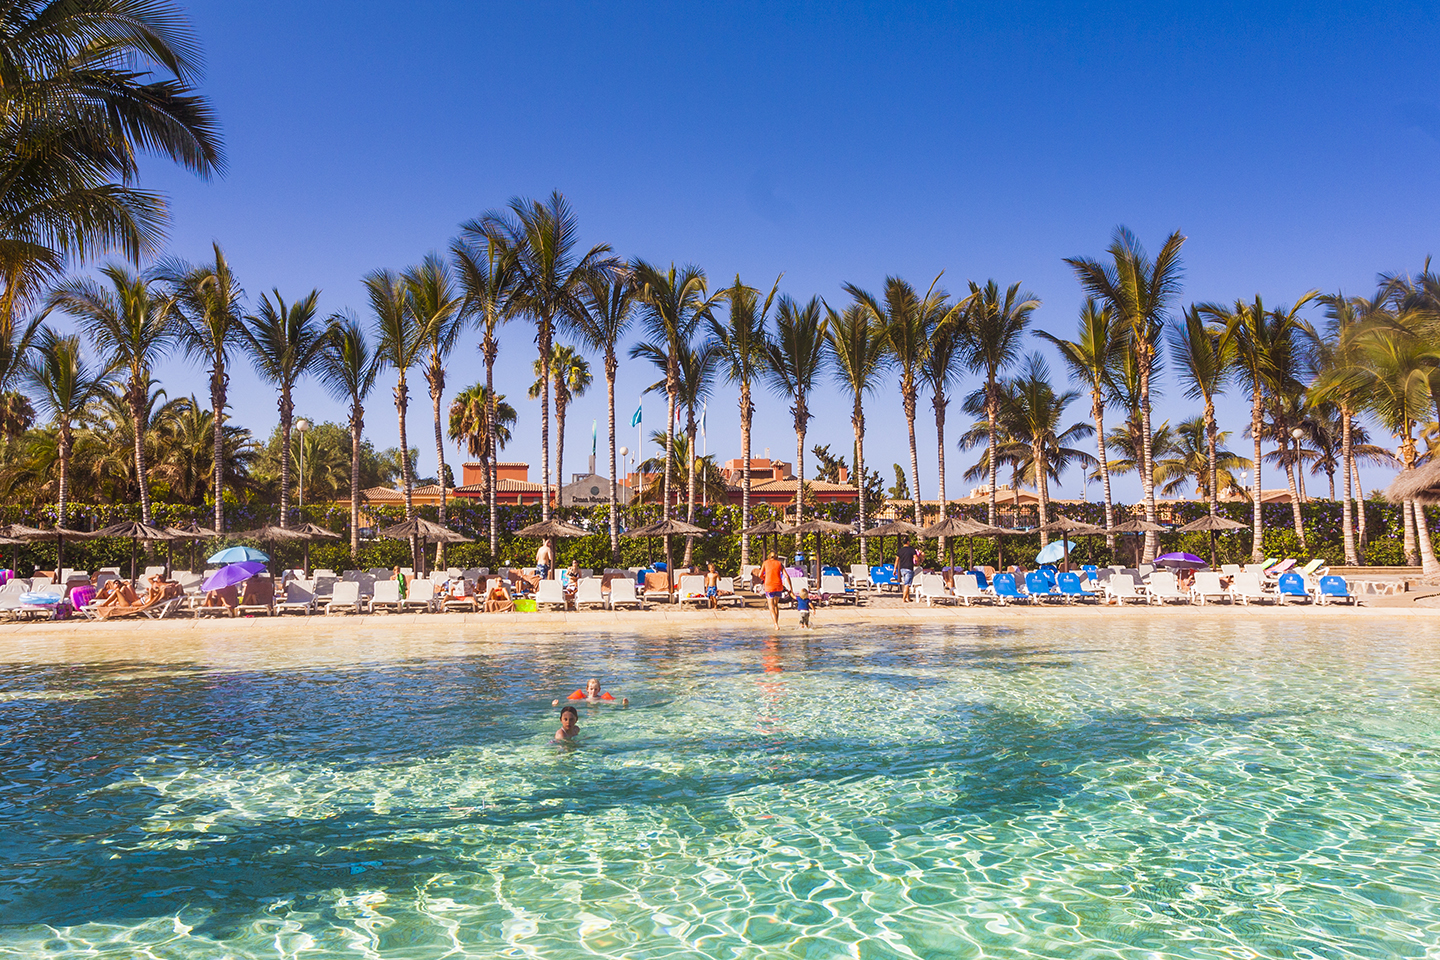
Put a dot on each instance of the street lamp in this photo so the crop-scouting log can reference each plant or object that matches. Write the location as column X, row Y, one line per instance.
column 624, row 452
column 302, row 426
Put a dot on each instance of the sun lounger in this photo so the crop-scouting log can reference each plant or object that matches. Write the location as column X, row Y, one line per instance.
column 386, row 598
column 551, row 594
column 725, row 593
column 931, row 588
column 1284, row 566
column 832, row 588
column 419, row 595
column 1037, row 587
column 299, row 598
column 1247, row 587
column 1004, row 589
column 1207, row 587
column 1120, row 588
column 258, row 598
column 1164, row 587
column 345, row 598
column 590, row 593
column 1313, row 570
column 465, row 600
column 1291, row 586
column 692, row 589
column 967, row 590
column 860, row 577
column 1334, row 589
column 622, row 594
column 1070, row 588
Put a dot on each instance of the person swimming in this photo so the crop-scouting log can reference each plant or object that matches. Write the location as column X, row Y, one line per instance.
column 569, row 725
column 592, row 694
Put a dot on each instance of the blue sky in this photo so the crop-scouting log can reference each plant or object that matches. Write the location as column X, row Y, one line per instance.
column 1294, row 144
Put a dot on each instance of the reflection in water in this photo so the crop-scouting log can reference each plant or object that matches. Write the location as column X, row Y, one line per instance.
column 1192, row 788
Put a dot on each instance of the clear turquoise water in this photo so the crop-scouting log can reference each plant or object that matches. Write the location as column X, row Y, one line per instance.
column 1227, row 787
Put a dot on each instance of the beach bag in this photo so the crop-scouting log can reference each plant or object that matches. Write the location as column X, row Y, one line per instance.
column 525, row 605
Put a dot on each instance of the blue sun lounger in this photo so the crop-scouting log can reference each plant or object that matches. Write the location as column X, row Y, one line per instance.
column 1068, row 584
column 1334, row 589
column 1038, row 586
column 1292, row 587
column 1004, row 588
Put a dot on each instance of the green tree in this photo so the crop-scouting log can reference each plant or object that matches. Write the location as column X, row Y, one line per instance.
column 740, row 344
column 435, row 305
column 1140, row 291
column 285, row 341
column 941, row 369
column 569, row 377
column 398, row 344
column 470, row 425
column 133, row 325
column 63, row 385
column 1205, row 359
column 900, row 489
column 348, row 368
column 791, row 365
column 858, row 354
column 1197, row 456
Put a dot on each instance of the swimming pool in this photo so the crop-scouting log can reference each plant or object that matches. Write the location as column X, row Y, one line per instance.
column 1190, row 787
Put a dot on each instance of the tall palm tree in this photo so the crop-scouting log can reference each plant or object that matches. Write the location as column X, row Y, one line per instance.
column 1205, row 357
column 470, row 425
column 434, row 305
column 540, row 240
column 941, row 370
column 88, row 88
column 1263, row 343
column 676, row 302
column 210, row 316
column 1198, row 457
column 908, row 321
column 569, row 378
column 791, row 366
column 994, row 328
column 398, row 343
column 63, row 385
column 1340, row 381
column 858, row 355
column 285, row 342
column 604, row 318
column 134, row 325
column 1140, row 291
column 741, row 342
column 1092, row 357
column 348, row 368
column 488, row 276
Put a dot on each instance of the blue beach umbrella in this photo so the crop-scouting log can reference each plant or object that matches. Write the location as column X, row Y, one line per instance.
column 1054, row 551
column 230, row 575
column 236, row 555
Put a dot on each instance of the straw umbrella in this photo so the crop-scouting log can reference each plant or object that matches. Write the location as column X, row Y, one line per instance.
column 1211, row 523
column 667, row 528
column 425, row 531
column 895, row 528
column 26, row 534
column 949, row 529
column 16, row 534
column 316, row 532
column 192, row 531
column 136, row 531
column 818, row 527
column 767, row 529
column 1065, row 527
column 1137, row 526
column 552, row 528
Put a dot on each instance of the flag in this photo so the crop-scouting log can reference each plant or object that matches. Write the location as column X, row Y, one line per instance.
column 703, row 408
column 594, row 438
column 636, row 420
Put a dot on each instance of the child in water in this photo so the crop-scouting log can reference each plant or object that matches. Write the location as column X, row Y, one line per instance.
column 802, row 606
column 569, row 725
column 592, row 694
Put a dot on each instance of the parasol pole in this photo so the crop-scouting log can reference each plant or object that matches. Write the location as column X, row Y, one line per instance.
column 133, row 577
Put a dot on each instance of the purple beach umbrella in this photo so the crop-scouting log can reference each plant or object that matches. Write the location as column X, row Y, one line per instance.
column 1180, row 561
column 232, row 574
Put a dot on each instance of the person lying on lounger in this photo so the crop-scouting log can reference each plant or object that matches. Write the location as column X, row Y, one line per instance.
column 592, row 694
column 499, row 599
column 160, row 591
column 227, row 597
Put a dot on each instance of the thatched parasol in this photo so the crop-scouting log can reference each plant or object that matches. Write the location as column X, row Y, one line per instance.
column 1137, row 526
column 950, row 528
column 547, row 529
column 59, row 534
column 767, row 529
column 1065, row 527
column 667, row 528
column 895, row 528
column 1211, row 523
column 1421, row 484
column 192, row 531
column 136, row 531
column 424, row 531
column 818, row 527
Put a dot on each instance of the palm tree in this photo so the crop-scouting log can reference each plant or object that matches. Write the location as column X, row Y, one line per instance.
column 708, row 477
column 210, row 317
column 1197, row 456
column 435, row 309
column 675, row 305
column 88, row 88
column 908, row 322
column 470, row 424
column 1129, row 446
column 569, row 377
column 1140, row 291
column 348, row 368
column 603, row 319
column 791, row 364
column 398, row 344
column 1264, row 343
column 1340, row 381
column 134, row 326
column 1205, row 357
column 285, row 342
column 539, row 239
column 858, row 354
column 993, row 328
column 1092, row 357
column 941, row 370
column 63, row 385
column 488, row 277
column 741, row 342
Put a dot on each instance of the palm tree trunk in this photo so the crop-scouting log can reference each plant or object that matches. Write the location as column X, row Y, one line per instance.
column 991, row 412
column 611, row 367
column 1257, row 546
column 1428, row 563
column 939, row 404
column 217, row 402
column 402, row 397
column 1042, row 487
column 492, row 472
column 561, row 404
column 1147, row 459
column 1361, row 539
column 671, row 388
column 287, row 410
column 137, row 423
column 357, row 425
column 857, row 421
column 799, row 478
column 747, row 413
column 437, row 388
column 1211, row 429
column 1097, row 410
column 907, row 390
column 63, row 449
column 1347, row 511
column 1407, row 516
column 690, row 481
column 543, row 340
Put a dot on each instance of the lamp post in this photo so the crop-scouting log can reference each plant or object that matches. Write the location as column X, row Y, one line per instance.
column 624, row 452
column 302, row 427
column 1296, row 434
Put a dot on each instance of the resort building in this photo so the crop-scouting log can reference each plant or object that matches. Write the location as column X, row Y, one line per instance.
column 773, row 481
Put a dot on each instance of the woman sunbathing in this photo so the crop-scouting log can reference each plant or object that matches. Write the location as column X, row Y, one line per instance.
column 499, row 600
column 124, row 602
column 224, row 597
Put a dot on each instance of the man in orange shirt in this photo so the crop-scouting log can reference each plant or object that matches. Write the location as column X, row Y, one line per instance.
column 776, row 581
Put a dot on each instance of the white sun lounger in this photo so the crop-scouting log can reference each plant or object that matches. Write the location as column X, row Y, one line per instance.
column 590, row 592
column 551, row 594
column 930, row 587
column 1247, row 587
column 345, row 597
column 1120, row 587
column 1164, row 587
column 299, row 598
column 967, row 590
column 725, row 593
column 692, row 589
column 386, row 598
column 832, row 588
column 1207, row 587
column 622, row 593
column 419, row 595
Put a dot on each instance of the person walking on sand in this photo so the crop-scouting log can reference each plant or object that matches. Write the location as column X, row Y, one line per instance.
column 905, row 559
column 776, row 582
